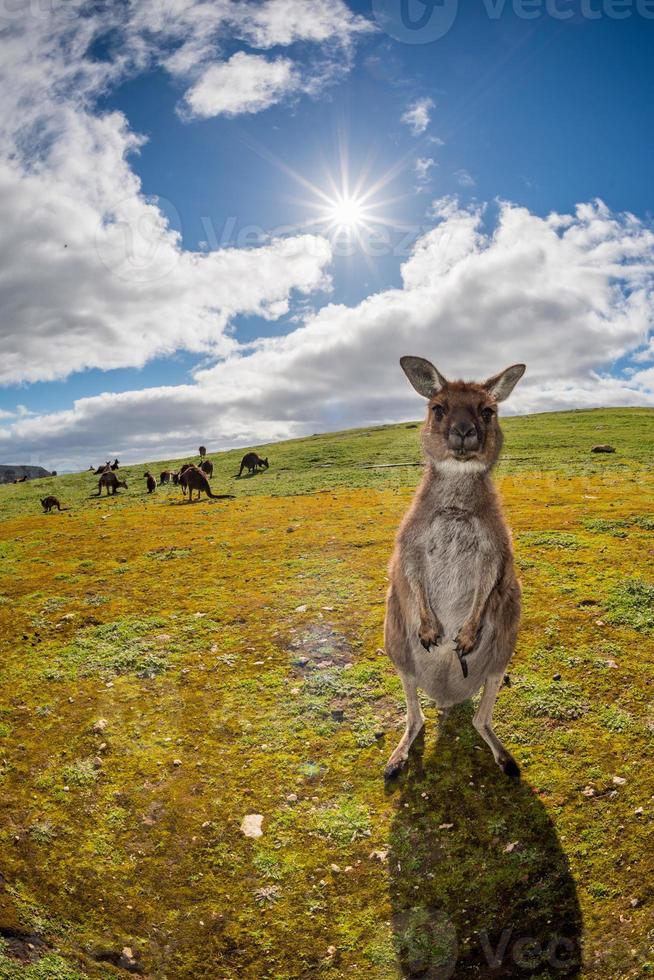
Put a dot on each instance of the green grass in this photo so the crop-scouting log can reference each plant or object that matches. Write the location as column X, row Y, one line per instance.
column 234, row 651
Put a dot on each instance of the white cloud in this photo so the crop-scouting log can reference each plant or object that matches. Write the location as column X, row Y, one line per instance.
column 245, row 83
column 567, row 294
column 417, row 115
column 93, row 273
column 464, row 179
column 422, row 168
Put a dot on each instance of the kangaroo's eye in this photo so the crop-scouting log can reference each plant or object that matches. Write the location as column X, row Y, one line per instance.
column 487, row 414
column 439, row 412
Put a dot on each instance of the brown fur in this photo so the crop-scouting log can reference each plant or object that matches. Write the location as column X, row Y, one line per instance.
column 453, row 604
column 165, row 477
column 207, row 467
column 251, row 461
column 194, row 479
column 111, row 482
column 49, row 502
column 150, row 482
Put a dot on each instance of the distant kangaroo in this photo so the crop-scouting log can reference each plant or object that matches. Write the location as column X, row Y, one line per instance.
column 207, row 467
column 111, row 482
column 150, row 481
column 115, row 464
column 194, row 479
column 251, row 461
column 203, row 451
column 49, row 502
column 165, row 477
column 453, row 592
column 103, row 469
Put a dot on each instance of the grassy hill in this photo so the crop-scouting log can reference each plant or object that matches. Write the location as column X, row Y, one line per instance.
column 168, row 669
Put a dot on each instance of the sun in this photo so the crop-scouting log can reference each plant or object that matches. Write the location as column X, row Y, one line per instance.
column 346, row 212
column 344, row 205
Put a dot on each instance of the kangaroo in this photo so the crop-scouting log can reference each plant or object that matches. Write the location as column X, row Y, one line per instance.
column 194, row 479
column 115, row 465
column 251, row 461
column 49, row 502
column 207, row 467
column 103, row 469
column 110, row 481
column 203, row 451
column 453, row 591
column 165, row 477
column 150, row 481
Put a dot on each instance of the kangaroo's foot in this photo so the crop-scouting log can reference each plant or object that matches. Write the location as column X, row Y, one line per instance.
column 400, row 755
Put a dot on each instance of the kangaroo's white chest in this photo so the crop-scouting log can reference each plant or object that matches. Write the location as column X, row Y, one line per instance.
column 456, row 547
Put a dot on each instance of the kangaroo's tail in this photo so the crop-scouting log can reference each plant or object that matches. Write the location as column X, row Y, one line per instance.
column 241, row 469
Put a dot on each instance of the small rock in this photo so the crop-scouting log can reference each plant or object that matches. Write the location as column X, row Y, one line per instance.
column 127, row 960
column 556, row 677
column 300, row 609
column 619, row 780
column 634, row 903
column 100, row 725
column 510, row 848
column 331, row 951
column 639, row 811
column 588, row 791
column 445, row 826
column 177, row 762
column 335, row 868
column 379, row 856
column 97, row 763
column 291, row 798
column 251, row 825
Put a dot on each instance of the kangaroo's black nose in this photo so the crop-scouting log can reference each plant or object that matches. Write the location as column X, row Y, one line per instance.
column 463, row 435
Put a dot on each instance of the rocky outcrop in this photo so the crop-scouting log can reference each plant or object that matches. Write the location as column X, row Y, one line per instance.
column 10, row 473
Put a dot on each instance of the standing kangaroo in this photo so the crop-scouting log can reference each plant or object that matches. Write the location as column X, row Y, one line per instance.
column 453, row 604
column 48, row 503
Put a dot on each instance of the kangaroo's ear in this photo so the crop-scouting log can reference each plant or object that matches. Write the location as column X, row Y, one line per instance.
column 422, row 374
column 501, row 385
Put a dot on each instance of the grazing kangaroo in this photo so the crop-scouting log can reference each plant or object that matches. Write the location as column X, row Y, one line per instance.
column 150, row 481
column 49, row 502
column 207, row 467
column 111, row 482
column 194, row 479
column 165, row 477
column 251, row 461
column 453, row 604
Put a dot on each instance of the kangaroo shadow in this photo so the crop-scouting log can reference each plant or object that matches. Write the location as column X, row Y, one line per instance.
column 249, row 475
column 479, row 883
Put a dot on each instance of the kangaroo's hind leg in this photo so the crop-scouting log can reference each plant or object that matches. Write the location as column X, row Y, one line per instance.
column 398, row 649
column 508, row 615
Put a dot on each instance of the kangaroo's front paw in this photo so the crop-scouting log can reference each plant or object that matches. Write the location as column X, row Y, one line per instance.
column 430, row 633
column 467, row 637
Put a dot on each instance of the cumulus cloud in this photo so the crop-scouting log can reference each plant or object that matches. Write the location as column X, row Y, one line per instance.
column 93, row 272
column 418, row 115
column 567, row 294
column 245, row 83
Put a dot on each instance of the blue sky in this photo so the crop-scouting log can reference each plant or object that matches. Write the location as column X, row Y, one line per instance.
column 543, row 113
